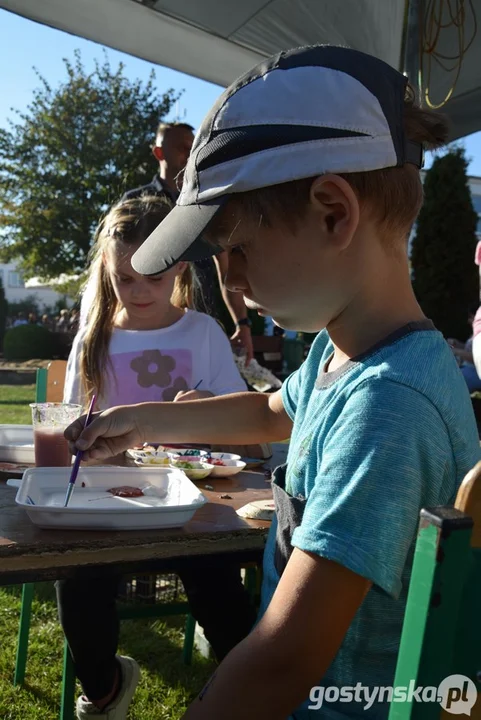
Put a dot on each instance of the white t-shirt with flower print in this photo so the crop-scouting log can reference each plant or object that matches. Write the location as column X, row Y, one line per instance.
column 154, row 365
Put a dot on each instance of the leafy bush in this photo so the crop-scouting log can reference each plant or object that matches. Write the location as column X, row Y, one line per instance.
column 28, row 342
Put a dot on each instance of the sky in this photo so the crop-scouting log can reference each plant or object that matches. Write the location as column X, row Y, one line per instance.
column 25, row 44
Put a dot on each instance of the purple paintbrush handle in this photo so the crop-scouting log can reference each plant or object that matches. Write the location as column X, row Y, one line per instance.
column 79, row 455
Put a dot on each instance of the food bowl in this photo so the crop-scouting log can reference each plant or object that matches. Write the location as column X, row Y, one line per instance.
column 184, row 452
column 194, row 469
column 224, row 456
column 145, row 453
column 160, row 459
column 225, row 468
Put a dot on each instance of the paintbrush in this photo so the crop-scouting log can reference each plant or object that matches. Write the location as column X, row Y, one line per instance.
column 78, row 457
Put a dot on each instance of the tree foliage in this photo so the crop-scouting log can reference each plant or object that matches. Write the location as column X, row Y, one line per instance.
column 71, row 286
column 73, row 153
column 445, row 278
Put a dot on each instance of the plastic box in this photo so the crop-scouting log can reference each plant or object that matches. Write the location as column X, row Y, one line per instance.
column 170, row 499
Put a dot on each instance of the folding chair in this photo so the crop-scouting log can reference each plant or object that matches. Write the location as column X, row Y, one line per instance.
column 442, row 626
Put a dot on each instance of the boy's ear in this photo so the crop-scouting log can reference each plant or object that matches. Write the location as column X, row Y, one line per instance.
column 335, row 200
column 158, row 153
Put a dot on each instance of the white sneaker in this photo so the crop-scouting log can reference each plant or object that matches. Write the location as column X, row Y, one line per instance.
column 118, row 709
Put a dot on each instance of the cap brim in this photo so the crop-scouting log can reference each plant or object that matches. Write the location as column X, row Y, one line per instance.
column 177, row 238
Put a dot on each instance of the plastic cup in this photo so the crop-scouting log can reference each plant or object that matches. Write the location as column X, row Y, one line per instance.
column 49, row 422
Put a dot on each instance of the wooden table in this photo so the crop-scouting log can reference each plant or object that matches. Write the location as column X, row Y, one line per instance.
column 30, row 554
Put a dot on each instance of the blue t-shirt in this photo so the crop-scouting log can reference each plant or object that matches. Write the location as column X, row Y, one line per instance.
column 373, row 442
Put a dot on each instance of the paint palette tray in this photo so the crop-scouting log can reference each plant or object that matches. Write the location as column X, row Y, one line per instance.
column 168, row 498
column 16, row 444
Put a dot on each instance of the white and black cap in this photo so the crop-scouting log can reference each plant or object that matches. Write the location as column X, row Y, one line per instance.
column 298, row 114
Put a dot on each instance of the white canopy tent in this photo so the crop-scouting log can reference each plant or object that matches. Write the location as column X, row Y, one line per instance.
column 217, row 40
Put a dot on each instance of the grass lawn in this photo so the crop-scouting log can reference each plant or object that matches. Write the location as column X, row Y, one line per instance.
column 14, row 400
column 166, row 685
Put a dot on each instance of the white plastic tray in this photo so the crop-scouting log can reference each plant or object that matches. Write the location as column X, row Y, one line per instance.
column 171, row 498
column 16, row 444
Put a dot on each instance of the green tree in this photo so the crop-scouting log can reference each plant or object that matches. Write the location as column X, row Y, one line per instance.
column 73, row 153
column 72, row 286
column 445, row 278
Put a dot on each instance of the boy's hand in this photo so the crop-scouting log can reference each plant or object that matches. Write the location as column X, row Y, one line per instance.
column 192, row 395
column 108, row 434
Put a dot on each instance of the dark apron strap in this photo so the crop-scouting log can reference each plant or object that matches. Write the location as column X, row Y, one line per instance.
column 289, row 512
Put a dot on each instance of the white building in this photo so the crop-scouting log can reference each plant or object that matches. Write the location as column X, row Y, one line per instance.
column 16, row 289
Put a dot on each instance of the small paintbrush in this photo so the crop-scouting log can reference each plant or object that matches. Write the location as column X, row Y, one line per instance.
column 78, row 457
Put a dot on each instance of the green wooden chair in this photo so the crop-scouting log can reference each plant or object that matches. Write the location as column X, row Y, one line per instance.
column 50, row 387
column 442, row 626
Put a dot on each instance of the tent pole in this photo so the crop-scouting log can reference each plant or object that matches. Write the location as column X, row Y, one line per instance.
column 411, row 46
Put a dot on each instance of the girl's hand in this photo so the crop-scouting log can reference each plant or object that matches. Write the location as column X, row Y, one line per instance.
column 109, row 433
column 192, row 395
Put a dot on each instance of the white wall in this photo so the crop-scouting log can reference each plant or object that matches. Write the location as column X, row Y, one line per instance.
column 18, row 291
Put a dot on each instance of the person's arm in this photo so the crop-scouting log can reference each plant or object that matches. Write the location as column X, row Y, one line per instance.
column 237, row 308
column 272, row 671
column 221, row 374
column 242, row 419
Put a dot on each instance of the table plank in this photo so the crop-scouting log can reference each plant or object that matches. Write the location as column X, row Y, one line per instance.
column 215, row 528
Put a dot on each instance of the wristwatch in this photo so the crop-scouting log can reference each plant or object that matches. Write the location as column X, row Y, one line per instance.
column 245, row 322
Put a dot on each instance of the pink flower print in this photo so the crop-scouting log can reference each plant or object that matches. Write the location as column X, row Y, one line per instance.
column 153, row 368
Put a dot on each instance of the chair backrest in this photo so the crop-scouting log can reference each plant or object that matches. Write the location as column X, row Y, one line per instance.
column 50, row 382
column 268, row 350
column 468, row 501
column 441, row 634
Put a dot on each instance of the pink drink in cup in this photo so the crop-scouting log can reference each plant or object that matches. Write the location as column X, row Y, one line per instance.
column 51, row 448
column 49, row 423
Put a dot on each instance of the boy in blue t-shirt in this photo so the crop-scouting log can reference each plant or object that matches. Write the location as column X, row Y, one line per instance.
column 307, row 171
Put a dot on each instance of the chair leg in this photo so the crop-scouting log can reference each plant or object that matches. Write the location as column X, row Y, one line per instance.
column 68, row 686
column 189, row 634
column 23, row 633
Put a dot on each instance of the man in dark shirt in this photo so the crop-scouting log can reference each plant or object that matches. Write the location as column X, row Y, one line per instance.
column 171, row 149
